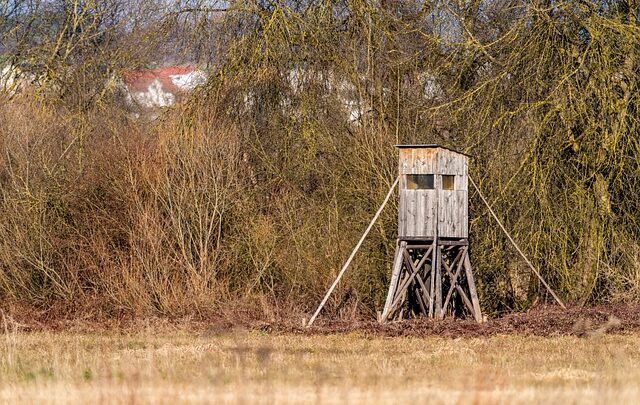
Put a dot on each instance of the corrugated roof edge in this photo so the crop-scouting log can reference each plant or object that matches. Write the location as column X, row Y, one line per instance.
column 429, row 145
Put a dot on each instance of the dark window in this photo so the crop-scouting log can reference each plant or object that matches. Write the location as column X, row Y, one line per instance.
column 448, row 182
column 420, row 182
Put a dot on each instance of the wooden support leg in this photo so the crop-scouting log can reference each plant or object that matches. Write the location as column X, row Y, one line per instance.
column 395, row 277
column 408, row 276
column 428, row 276
column 438, row 286
column 421, row 272
column 472, row 288
column 432, row 285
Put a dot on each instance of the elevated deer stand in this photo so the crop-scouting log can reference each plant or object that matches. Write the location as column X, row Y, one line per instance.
column 432, row 274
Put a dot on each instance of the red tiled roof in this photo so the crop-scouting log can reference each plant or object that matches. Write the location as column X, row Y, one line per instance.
column 141, row 79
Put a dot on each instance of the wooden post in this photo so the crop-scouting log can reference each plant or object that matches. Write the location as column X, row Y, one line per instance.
column 433, row 281
column 353, row 253
column 395, row 276
column 472, row 288
column 439, row 313
column 515, row 245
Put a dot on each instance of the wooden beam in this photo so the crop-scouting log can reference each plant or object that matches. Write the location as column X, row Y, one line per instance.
column 438, row 282
column 472, row 288
column 353, row 253
column 405, row 285
column 433, row 278
column 513, row 242
column 454, row 242
column 424, row 289
column 395, row 277
column 465, row 299
column 416, row 247
column 454, row 279
column 420, row 298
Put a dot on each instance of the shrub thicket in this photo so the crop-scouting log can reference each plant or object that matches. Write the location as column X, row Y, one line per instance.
column 254, row 192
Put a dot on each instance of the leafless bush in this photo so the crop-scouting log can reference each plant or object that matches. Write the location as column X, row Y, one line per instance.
column 256, row 189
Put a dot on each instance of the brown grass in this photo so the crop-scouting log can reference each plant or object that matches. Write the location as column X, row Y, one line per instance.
column 251, row 367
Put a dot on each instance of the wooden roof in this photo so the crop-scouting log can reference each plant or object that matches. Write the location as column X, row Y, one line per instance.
column 428, row 145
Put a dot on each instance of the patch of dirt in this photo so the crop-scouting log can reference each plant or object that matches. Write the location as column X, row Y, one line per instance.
column 540, row 321
column 545, row 320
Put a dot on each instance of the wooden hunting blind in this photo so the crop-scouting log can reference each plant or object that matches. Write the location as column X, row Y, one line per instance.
column 432, row 272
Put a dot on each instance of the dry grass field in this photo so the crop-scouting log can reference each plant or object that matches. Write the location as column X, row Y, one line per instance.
column 253, row 367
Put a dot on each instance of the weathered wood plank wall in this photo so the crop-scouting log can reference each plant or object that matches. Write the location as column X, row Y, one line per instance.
column 421, row 209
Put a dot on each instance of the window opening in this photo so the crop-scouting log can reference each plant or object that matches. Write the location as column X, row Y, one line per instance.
column 448, row 182
column 420, row 182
